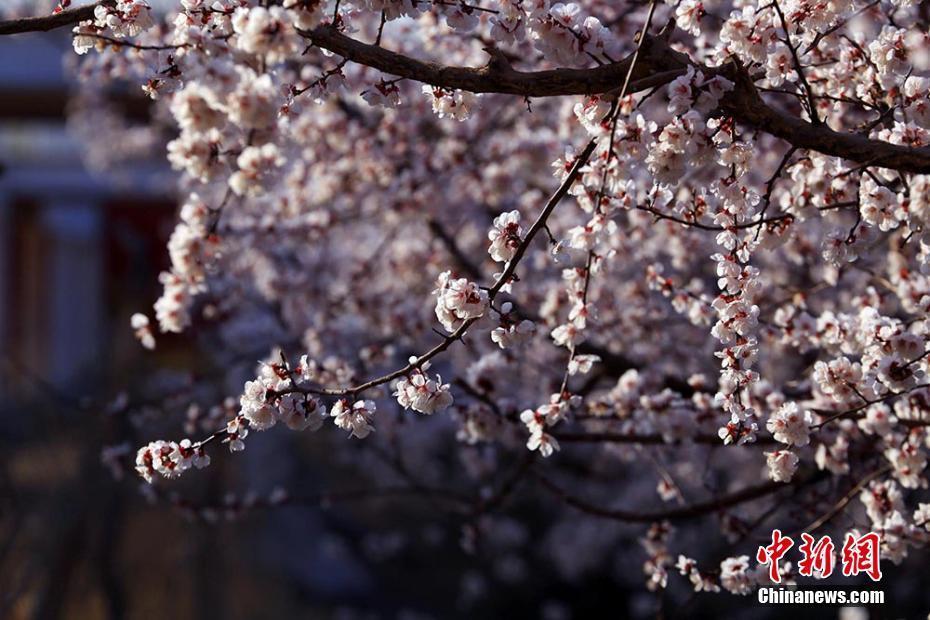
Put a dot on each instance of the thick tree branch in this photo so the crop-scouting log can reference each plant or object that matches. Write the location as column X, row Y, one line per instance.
column 745, row 104
column 495, row 77
column 45, row 23
column 657, row 64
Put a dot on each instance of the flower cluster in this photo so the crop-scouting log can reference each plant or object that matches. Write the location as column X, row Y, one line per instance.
column 505, row 236
column 354, row 417
column 418, row 392
column 143, row 333
column 457, row 105
column 169, row 459
column 543, row 417
column 512, row 330
column 125, row 18
column 458, row 301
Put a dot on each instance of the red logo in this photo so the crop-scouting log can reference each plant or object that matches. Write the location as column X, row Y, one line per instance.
column 816, row 556
column 860, row 555
column 774, row 552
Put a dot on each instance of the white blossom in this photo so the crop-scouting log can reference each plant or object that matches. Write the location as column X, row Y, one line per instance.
column 582, row 364
column 140, row 326
column 419, row 392
column 790, row 425
column 505, row 236
column 355, row 418
column 458, row 300
column 782, row 465
column 735, row 576
column 458, row 104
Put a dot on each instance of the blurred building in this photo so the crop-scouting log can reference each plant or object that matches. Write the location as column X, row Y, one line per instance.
column 80, row 251
column 76, row 249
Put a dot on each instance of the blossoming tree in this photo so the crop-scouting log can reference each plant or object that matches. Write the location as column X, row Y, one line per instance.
column 682, row 241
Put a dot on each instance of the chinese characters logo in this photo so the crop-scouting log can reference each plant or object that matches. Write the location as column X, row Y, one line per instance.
column 859, row 555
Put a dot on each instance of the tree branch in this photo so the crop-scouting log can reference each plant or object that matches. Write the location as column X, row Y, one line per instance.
column 745, row 104
column 492, row 78
column 656, row 60
column 45, row 23
column 674, row 514
column 648, row 439
column 657, row 64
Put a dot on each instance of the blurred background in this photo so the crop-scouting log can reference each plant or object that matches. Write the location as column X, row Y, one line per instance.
column 81, row 247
